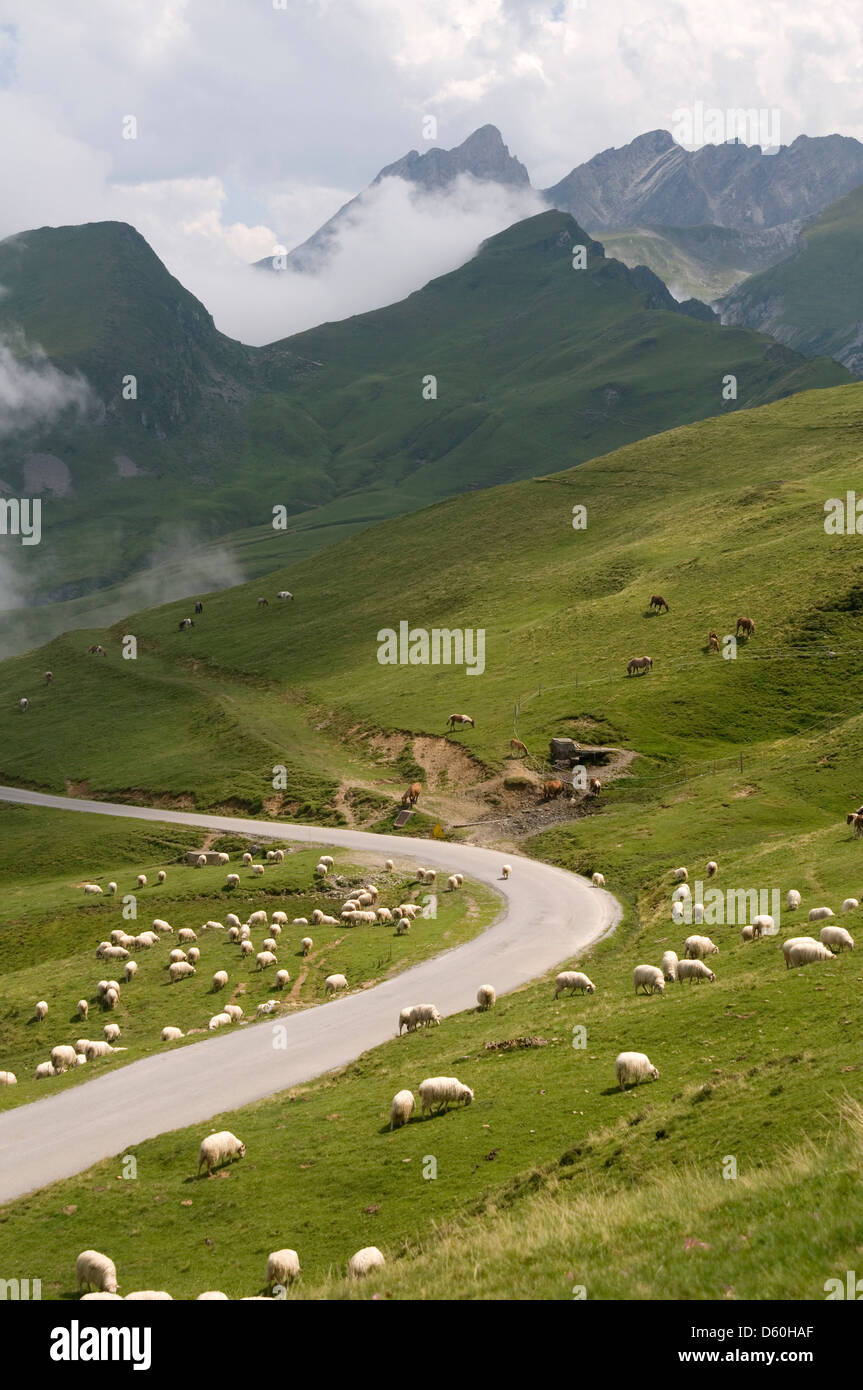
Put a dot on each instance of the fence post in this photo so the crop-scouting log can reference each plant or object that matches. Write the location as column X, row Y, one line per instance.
column 741, row 762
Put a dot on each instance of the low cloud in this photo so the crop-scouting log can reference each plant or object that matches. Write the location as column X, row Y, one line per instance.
column 33, row 392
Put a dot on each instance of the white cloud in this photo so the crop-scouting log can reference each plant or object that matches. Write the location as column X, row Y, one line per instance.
column 32, row 390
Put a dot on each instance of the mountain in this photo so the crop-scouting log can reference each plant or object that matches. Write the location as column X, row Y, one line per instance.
column 814, row 300
column 654, row 181
column 538, row 366
column 482, row 155
column 704, row 262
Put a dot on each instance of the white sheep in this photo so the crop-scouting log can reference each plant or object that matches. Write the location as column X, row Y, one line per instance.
column 407, row 910
column 107, row 952
column 694, row 970
column 669, row 965
column 224, row 858
column 269, row 944
column 282, row 978
column 388, row 866
column 837, row 938
column 45, row 1069
column 232, row 920
column 160, row 925
column 219, row 1148
column 452, row 883
column 269, row 1007
column 306, row 945
column 439, row 1092
column 63, row 1056
column 232, row 881
column 383, row 914
column 96, row 1271
column 234, row 1011
column 423, row 1016
column 111, row 1032
column 111, row 998
column 485, row 997
column 180, row 970
column 405, row 1018
column 681, row 893
column 246, row 948
column 258, row 870
column 186, row 934
column 176, row 955
column 142, row 880
column 792, row 900
column 649, row 978
column 712, row 867
column 573, row 980
column 460, row 878
column 220, row 979
column 748, row 933
column 161, row 876
column 431, row 874
column 598, row 880
column 335, row 982
column 170, row 1034
column 632, row 1067
column 219, row 1021
column 148, row 1295
column 677, row 913
column 317, row 917
column 112, row 887
column 265, row 959
column 697, row 947
column 83, row 1008
column 403, row 926
column 506, row 871
column 97, row 1048
column 281, row 918
column 283, row 1267
column 326, row 921
column 8, row 1078
column 92, row 888
column 763, row 925
column 819, row 914
column 99, row 1296
column 194, row 955
column 681, row 874
column 327, row 859
column 211, row 1295
column 850, row 904
column 276, row 929
column 402, row 1108
column 321, row 871
column 259, row 918
column 698, row 913
column 364, row 1260
column 201, row 861
column 247, row 858
column 803, row 950
column 41, row 1010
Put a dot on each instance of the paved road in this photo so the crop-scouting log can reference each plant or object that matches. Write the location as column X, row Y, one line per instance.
column 548, row 916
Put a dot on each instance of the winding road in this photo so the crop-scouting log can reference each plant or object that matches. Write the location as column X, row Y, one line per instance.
column 549, row 915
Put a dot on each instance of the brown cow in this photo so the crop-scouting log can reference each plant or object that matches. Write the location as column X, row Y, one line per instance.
column 516, row 746
column 745, row 625
column 552, row 789
column 713, row 641
column 658, row 602
column 594, row 786
column 412, row 795
column 96, row 650
column 263, row 603
column 461, row 719
column 856, row 819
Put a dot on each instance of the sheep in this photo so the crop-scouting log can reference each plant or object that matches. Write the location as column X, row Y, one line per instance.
column 389, row 866
column 792, row 900
column 170, row 1034
column 219, row 1021
column 485, row 997
column 762, row 924
column 219, row 1148
column 110, row 1032
column 267, row 1008
column 232, row 920
column 460, row 878
column 41, row 1010
column 247, row 858
column 439, row 1092
column 283, row 1267
column 403, row 926
column 224, row 858
column 176, row 955
column 149, row 1295
column 276, row 929
column 748, row 933
column 327, row 859
column 849, row 904
column 269, row 944
column 712, row 867
column 306, row 945
column 431, row 875
column 836, row 938
column 402, row 1108
column 424, row 1015
column 698, row 913
column 282, row 978
column 160, row 925
column 246, row 948
column 598, row 880
column 232, row 881
column 98, row 1048
column 112, row 887
column 677, row 913
column 694, row 970
column 697, row 947
column 233, row 933
column 335, row 982
column 180, row 970
column 211, row 1294
column 234, row 1010
column 407, row 909
column 145, row 941
column 452, row 883
column 681, row 894
column 62, row 1057
column 142, row 880
column 649, row 978
column 405, row 1020
column 803, row 951
column 194, row 955
column 187, row 934
column 81, row 1045
column 281, row 918
column 161, row 876
column 220, row 979
column 506, row 871
column 632, row 1067
column 107, row 952
column 383, row 914
column 265, row 959
column 258, row 919
column 321, row 871
column 818, row 914
column 92, row 888
column 317, row 917
column 364, row 899
column 96, row 1271
column 669, row 965
column 101, row 987
column 573, row 980
column 302, row 921
column 201, row 861
column 45, row 1069
column 284, row 593
column 8, row 1078
column 364, row 1260
column 245, row 932
column 681, row 874
column 258, row 870
column 328, row 921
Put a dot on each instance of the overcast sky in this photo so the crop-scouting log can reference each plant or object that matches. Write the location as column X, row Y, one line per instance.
column 254, row 124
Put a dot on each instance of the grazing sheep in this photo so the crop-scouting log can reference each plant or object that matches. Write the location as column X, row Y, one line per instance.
column 677, row 913
column 485, row 997
column 321, row 871
column 233, row 933
column 232, row 881
column 234, row 1011
column 161, row 876
column 186, row 934
column 306, row 945
column 452, row 883
column 281, row 918
column 145, row 941
column 8, row 1078
column 265, row 959
column 632, row 1067
column 317, row 917
column 245, row 932
column 506, row 871
column 694, row 970
column 92, row 888
column 258, row 870
column 402, row 1108
column 232, row 920
column 83, row 1008
column 220, row 979
column 111, row 1032
column 194, row 955
column 160, row 925
column 201, row 861
column 268, row 1008
column 836, row 938
column 224, row 858
column 681, row 894
column 712, row 867
column 335, row 982
column 219, row 1148
column 148, row 1295
column 439, row 1092
column 388, row 866
column 364, row 1260
column 181, row 970
column 97, row 1048
column 819, row 914
column 763, row 924
column 408, row 910
column 793, row 900
column 748, row 933
column 282, row 979
column 62, row 1057
column 211, row 1295
column 405, row 1019
column 803, row 950
column 697, row 947
column 669, row 965
column 142, row 880
column 219, row 1021
column 170, row 1034
column 424, row 1015
column 283, row 1267
column 45, row 1069
column 681, row 874
column 698, row 913
column 96, row 1271
column 403, row 926
column 598, row 880
column 107, row 952
column 112, row 887
column 327, row 859
column 573, row 980
column 258, row 919
column 269, row 944
column 176, row 955
column 649, row 978
column 849, row 904
column 383, row 914
column 246, row 948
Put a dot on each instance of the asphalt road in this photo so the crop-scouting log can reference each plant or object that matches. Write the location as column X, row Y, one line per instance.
column 548, row 916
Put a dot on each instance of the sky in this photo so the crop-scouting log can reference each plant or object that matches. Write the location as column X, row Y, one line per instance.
column 254, row 120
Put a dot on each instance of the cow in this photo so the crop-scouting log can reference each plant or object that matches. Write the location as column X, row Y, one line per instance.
column 199, row 607
column 412, row 795
column 594, row 786
column 516, row 746
column 460, row 719
column 713, row 641
column 639, row 663
column 746, row 626
column 185, row 623
column 552, row 789
column 658, row 602
column 96, row 650
column 263, row 603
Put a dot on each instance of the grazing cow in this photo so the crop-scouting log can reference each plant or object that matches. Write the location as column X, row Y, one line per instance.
column 412, row 795
column 461, row 719
column 516, row 746
column 284, row 593
column 594, row 786
column 23, row 704
column 96, row 650
column 185, row 624
column 263, row 603
column 49, row 676
column 552, row 789
column 658, row 602
column 639, row 663
column 713, row 641
column 199, row 607
column 855, row 819
column 746, row 626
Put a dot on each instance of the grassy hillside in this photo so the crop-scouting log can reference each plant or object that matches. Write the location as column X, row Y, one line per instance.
column 698, row 262
column 529, row 356
column 814, row 300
